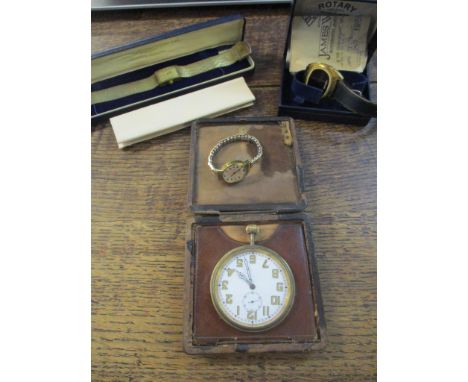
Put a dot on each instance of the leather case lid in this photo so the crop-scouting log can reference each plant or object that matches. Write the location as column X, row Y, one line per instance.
column 273, row 184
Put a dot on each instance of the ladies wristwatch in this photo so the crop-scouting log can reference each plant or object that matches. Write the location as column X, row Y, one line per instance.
column 234, row 171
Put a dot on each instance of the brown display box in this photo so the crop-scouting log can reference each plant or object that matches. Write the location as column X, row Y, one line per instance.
column 271, row 196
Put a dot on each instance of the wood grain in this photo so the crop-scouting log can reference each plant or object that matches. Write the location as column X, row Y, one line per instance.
column 138, row 230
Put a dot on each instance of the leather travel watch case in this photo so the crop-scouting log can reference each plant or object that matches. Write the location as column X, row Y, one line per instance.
column 271, row 197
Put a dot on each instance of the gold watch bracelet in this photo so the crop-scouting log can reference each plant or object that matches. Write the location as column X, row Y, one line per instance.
column 168, row 75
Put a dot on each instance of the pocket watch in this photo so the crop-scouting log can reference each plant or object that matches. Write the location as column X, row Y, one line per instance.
column 252, row 287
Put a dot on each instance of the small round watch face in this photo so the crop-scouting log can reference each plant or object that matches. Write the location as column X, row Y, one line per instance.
column 234, row 172
column 252, row 288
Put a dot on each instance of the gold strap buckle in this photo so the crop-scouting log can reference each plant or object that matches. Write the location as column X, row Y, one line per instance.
column 167, row 75
column 333, row 77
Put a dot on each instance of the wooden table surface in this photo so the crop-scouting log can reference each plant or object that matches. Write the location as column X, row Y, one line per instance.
column 139, row 217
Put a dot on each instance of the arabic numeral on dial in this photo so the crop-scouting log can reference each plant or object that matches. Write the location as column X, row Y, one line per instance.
column 266, row 310
column 225, row 284
column 252, row 259
column 239, row 262
column 265, row 264
column 252, row 315
column 275, row 273
column 279, row 287
column 229, row 299
column 275, row 300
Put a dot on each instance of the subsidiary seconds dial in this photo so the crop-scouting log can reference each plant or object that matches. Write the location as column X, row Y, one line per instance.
column 252, row 287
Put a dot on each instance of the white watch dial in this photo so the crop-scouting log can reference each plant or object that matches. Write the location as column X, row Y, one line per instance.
column 252, row 288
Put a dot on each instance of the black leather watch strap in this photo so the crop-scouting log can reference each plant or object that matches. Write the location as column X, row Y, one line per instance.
column 328, row 83
column 353, row 101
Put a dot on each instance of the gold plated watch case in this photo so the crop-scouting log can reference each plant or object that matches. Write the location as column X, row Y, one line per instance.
column 235, row 171
column 333, row 77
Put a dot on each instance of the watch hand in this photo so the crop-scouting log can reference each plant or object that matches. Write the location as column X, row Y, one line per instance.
column 244, row 277
column 248, row 269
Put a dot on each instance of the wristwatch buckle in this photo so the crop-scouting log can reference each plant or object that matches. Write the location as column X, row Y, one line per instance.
column 333, row 77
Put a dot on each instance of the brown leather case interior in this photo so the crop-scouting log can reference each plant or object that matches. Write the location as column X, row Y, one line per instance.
column 211, row 243
column 272, row 180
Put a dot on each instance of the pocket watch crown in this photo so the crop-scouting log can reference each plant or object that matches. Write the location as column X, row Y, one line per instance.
column 252, row 229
